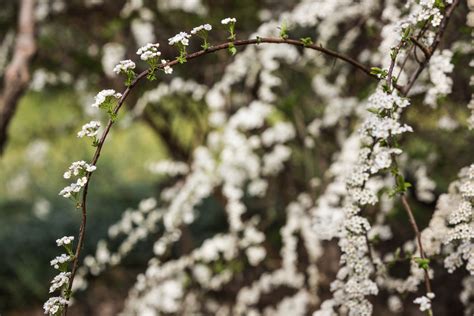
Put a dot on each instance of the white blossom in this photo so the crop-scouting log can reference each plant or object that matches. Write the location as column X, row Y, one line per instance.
column 90, row 129
column 205, row 27
column 181, row 37
column 59, row 281
column 66, row 240
column 63, row 258
column 54, row 304
column 149, row 52
column 105, row 96
column 228, row 20
column 166, row 68
column 124, row 66
column 424, row 301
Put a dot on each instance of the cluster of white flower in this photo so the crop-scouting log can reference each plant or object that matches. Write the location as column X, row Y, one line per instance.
column 90, row 129
column 66, row 240
column 381, row 100
column 425, row 301
column 54, row 305
column 425, row 186
column 59, row 281
column 63, row 258
column 149, row 52
column 429, row 10
column 105, row 96
column 228, row 20
column 354, row 282
column 383, row 127
column 79, row 169
column 462, row 218
column 204, row 27
column 124, row 66
column 166, row 68
column 180, row 38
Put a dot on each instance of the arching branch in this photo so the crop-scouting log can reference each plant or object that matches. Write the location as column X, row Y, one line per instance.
column 212, row 49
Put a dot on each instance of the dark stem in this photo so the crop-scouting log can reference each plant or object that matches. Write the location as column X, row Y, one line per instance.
column 418, row 239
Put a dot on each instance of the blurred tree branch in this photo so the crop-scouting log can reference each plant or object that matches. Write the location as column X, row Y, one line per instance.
column 17, row 75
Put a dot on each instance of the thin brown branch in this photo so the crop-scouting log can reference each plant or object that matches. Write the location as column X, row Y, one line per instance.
column 411, row 217
column 17, row 75
column 417, row 43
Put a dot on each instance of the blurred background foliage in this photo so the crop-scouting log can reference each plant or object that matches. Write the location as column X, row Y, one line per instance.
column 42, row 142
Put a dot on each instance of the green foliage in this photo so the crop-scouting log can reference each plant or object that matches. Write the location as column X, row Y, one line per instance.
column 232, row 49
column 284, row 30
column 306, row 41
column 381, row 73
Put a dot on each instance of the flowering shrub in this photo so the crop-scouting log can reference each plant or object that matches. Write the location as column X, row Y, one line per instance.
column 249, row 147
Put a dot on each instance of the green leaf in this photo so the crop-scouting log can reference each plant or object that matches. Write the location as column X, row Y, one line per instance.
column 439, row 4
column 423, row 263
column 381, row 73
column 306, row 41
column 283, row 30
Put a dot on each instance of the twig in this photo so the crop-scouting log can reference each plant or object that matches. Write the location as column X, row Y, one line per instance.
column 418, row 239
column 425, row 50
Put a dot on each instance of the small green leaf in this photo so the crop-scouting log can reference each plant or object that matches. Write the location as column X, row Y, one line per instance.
column 381, row 73
column 439, row 4
column 232, row 49
column 306, row 41
column 283, row 30
column 423, row 263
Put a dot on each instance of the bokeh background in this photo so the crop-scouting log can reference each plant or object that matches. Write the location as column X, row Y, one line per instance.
column 78, row 43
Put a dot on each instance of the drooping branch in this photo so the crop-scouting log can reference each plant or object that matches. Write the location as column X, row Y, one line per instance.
column 212, row 49
column 17, row 74
column 142, row 75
